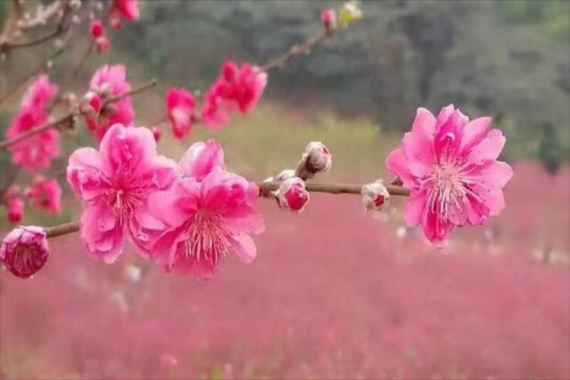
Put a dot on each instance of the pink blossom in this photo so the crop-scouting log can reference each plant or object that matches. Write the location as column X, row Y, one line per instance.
column 40, row 92
column 127, row 9
column 207, row 216
column 25, row 250
column 292, row 194
column 109, row 81
column 46, row 194
column 450, row 165
column 115, row 183
column 180, row 108
column 328, row 18
column 237, row 89
column 15, row 209
column 201, row 158
column 36, row 151
column 96, row 29
column 157, row 134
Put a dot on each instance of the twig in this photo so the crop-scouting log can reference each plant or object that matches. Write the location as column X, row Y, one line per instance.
column 33, row 42
column 41, row 18
column 9, row 182
column 62, row 229
column 298, row 49
column 40, row 68
column 265, row 191
column 69, row 117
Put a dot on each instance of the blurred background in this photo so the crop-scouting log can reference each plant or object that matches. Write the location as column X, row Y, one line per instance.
column 333, row 292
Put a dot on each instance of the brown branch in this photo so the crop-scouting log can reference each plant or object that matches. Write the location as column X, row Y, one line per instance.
column 39, row 69
column 41, row 18
column 33, row 42
column 11, row 179
column 11, row 22
column 265, row 188
column 69, row 117
column 303, row 48
column 62, row 229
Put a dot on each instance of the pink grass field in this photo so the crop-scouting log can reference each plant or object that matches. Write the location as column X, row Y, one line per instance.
column 333, row 293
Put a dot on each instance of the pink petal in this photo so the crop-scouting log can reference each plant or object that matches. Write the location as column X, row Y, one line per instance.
column 397, row 163
column 474, row 132
column 488, row 149
column 201, row 158
column 244, row 247
column 414, row 208
column 493, row 175
column 418, row 144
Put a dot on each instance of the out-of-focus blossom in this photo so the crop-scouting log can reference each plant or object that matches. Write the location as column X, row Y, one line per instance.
column 316, row 159
column 201, row 158
column 96, row 29
column 180, row 108
column 133, row 273
column 450, row 166
column 36, row 151
column 292, row 194
column 349, row 12
column 109, row 81
column 15, row 209
column 328, row 18
column 168, row 360
column 237, row 89
column 46, row 194
column 123, row 9
column 115, row 183
column 375, row 196
column 206, row 216
column 25, row 250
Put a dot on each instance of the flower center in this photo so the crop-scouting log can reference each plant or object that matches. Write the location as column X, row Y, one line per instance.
column 206, row 239
column 448, row 188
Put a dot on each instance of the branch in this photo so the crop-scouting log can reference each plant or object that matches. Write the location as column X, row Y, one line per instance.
column 39, row 69
column 69, row 117
column 303, row 48
column 265, row 191
column 41, row 18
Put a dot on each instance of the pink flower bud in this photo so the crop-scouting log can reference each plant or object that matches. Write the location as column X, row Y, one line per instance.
column 24, row 251
column 292, row 194
column 375, row 196
column 316, row 159
column 328, row 18
column 92, row 102
column 102, row 44
column 116, row 23
column 285, row 174
column 15, row 208
column 96, row 29
column 156, row 133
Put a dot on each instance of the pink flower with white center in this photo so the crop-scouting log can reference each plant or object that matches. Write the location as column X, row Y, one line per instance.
column 109, row 81
column 46, row 194
column 126, row 9
column 40, row 92
column 207, row 217
column 292, row 194
column 450, row 166
column 25, row 250
column 237, row 89
column 114, row 184
column 15, row 209
column 36, row 151
column 180, row 108
column 375, row 196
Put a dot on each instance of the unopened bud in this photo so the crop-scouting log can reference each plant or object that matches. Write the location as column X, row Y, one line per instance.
column 328, row 18
column 15, row 209
column 49, row 64
column 96, row 28
column 116, row 23
column 91, row 103
column 284, row 175
column 349, row 13
column 70, row 99
column 292, row 194
column 316, row 159
column 156, row 133
column 75, row 19
column 25, row 250
column 58, row 43
column 133, row 273
column 75, row 4
column 102, row 44
column 375, row 196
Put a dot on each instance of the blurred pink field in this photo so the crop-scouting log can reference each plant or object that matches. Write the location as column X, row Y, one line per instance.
column 332, row 294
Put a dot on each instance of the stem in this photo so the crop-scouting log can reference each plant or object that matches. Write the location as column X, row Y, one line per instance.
column 48, row 12
column 62, row 229
column 33, row 42
column 298, row 49
column 39, row 69
column 265, row 188
column 69, row 117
